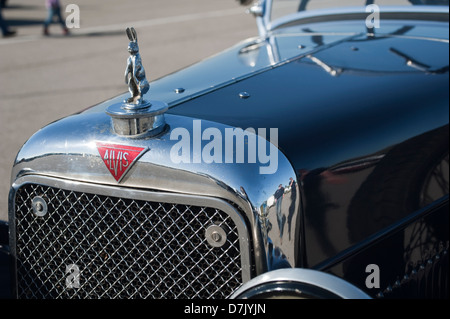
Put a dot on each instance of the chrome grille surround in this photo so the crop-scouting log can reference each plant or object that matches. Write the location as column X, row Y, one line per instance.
column 127, row 243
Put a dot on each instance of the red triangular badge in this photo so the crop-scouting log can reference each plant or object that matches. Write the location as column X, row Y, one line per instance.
column 119, row 158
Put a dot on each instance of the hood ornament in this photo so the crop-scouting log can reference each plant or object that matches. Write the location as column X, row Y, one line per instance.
column 137, row 116
column 135, row 73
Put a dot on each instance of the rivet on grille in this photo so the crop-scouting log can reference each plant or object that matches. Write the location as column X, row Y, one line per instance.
column 39, row 206
column 216, row 236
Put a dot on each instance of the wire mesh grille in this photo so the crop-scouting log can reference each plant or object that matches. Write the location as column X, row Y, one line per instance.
column 121, row 248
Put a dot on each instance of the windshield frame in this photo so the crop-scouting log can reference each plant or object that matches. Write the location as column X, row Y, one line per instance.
column 266, row 25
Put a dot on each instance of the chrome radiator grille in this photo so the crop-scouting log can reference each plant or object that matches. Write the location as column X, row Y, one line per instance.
column 122, row 248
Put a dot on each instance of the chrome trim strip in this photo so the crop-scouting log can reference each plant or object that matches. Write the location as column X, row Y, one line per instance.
column 311, row 277
column 137, row 194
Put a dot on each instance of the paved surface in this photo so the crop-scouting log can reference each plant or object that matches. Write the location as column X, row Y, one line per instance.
column 45, row 78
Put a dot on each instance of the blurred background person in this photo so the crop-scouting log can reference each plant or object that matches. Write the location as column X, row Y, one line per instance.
column 6, row 32
column 54, row 10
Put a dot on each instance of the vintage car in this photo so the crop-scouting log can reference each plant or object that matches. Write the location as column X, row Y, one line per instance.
column 311, row 161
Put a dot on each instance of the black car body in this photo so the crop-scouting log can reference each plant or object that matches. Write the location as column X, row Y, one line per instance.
column 357, row 121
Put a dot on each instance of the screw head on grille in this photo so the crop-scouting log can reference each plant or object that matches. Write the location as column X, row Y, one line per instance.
column 216, row 236
column 39, row 206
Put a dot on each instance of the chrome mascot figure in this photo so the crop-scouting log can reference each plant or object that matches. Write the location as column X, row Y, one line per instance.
column 135, row 73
